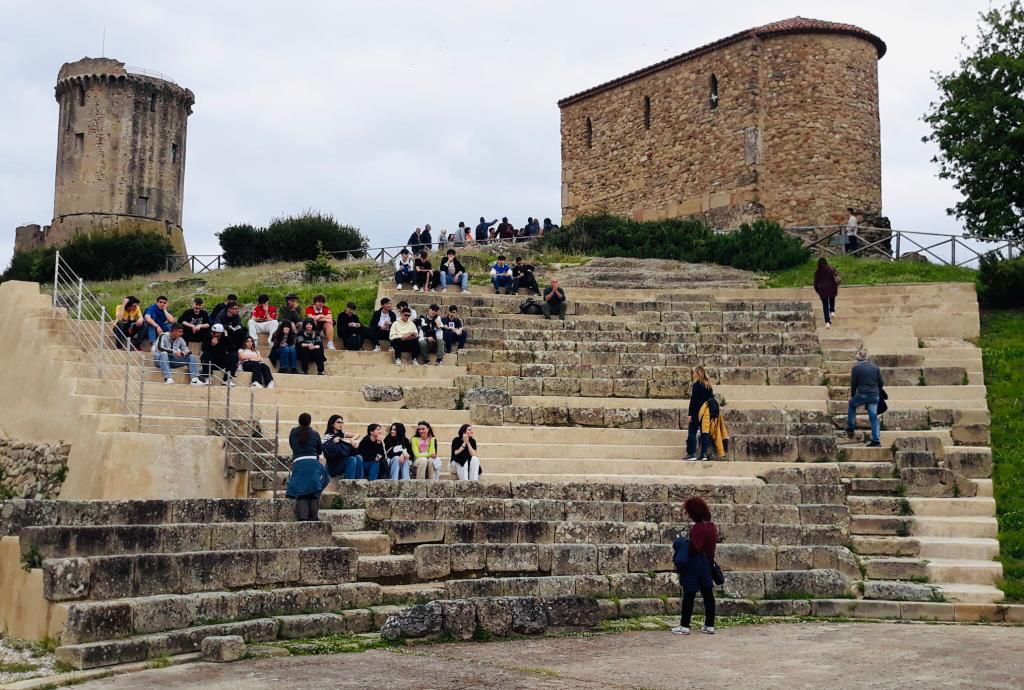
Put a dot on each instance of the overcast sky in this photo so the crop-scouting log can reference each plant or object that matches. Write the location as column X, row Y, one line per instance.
column 394, row 114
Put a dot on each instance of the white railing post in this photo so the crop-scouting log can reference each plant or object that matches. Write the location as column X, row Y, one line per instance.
column 81, row 284
column 56, row 279
column 102, row 342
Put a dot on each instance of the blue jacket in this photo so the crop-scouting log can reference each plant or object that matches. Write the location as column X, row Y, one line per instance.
column 696, row 574
column 308, row 478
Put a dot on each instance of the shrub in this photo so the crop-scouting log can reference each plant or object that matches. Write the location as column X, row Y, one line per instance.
column 292, row 238
column 321, row 267
column 1001, row 281
column 761, row 246
column 97, row 256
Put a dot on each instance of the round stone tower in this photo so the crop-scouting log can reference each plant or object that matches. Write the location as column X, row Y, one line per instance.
column 120, row 151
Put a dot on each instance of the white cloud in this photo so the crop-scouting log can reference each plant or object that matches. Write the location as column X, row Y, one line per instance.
column 394, row 114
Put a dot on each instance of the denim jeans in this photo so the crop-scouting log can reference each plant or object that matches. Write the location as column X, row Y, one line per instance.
column 693, row 433
column 462, row 280
column 354, row 467
column 871, row 403
column 400, row 470
column 455, row 341
column 502, row 281
column 167, row 362
column 287, row 358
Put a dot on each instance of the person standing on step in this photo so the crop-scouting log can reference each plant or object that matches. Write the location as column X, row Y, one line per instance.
column 501, row 275
column 415, row 242
column 282, row 349
column 424, row 451
column 523, row 277
column 251, row 360
column 424, row 273
column 371, row 450
column 404, row 272
column 308, row 477
column 379, row 327
column 554, row 301
column 696, row 575
column 263, row 319
column 196, row 323
column 454, row 332
column 218, row 352
column 865, row 391
column 399, row 452
column 310, row 347
column 321, row 315
column 405, row 337
column 453, row 272
column 171, row 351
column 465, row 462
column 482, row 227
column 340, row 450
column 701, row 391
column 826, row 284
column 350, row 328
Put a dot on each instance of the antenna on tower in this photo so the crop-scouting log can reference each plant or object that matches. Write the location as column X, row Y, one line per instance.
column 103, row 46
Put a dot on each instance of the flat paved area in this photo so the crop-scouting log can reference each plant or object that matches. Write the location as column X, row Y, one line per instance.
column 806, row 655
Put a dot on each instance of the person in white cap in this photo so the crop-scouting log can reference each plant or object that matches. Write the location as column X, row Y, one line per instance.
column 218, row 352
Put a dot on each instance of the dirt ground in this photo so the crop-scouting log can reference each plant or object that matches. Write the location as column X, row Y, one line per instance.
column 807, row 655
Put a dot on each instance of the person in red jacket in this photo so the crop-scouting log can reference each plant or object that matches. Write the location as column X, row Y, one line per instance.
column 697, row 575
column 263, row 320
column 826, row 284
column 321, row 315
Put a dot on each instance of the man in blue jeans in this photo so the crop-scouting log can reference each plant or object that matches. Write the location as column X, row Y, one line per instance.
column 866, row 389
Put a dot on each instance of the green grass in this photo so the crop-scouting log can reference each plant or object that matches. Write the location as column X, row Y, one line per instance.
column 17, row 667
column 1002, row 342
column 332, row 644
column 854, row 271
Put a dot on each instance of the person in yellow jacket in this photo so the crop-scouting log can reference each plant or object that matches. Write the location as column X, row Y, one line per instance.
column 426, row 464
column 712, row 427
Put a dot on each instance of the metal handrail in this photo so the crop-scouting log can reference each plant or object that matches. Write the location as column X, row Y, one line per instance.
column 89, row 323
column 143, row 72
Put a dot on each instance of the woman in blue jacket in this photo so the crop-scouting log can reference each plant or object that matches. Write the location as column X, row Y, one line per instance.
column 308, row 477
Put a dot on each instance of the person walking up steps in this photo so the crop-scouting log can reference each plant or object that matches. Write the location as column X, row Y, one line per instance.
column 865, row 391
column 695, row 576
column 308, row 477
column 826, row 284
column 701, row 391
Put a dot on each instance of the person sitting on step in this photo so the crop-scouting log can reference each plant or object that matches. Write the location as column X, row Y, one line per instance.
column 523, row 277
column 221, row 306
column 310, row 347
column 218, row 352
column 405, row 337
column 371, row 450
column 379, row 327
column 554, row 301
column 171, row 351
column 231, row 321
column 343, row 460
column 321, row 315
column 431, row 334
column 350, row 328
column 399, row 452
column 196, row 323
column 424, row 450
column 405, row 305
column 157, row 318
column 282, row 349
column 501, row 275
column 404, row 272
column 465, row 462
column 129, row 326
column 264, row 318
column 454, row 332
column 291, row 312
column 425, row 274
column 865, row 391
column 251, row 360
column 308, row 477
column 453, row 273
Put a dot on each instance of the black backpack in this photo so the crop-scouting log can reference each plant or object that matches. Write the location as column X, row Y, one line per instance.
column 530, row 306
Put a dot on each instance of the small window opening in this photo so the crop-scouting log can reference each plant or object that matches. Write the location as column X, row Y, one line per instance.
column 714, row 92
column 141, row 206
column 152, row 103
column 590, row 133
column 174, row 153
column 81, row 95
column 79, row 142
column 647, row 112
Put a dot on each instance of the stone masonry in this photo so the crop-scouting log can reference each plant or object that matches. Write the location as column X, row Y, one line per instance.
column 32, row 470
column 780, row 121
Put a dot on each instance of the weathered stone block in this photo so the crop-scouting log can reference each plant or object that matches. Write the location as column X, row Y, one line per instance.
column 661, row 418
column 486, row 396
column 458, row 618
column 622, row 417
column 221, row 649
column 417, row 621
column 320, row 566
column 433, row 561
column 277, row 566
column 573, row 559
column 644, row 558
column 494, row 615
column 66, row 579
column 572, row 612
column 512, row 557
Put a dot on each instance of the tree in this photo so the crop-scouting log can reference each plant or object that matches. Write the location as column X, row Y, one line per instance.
column 978, row 125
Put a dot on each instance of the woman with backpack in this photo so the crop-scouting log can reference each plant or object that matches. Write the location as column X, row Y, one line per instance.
column 308, row 477
column 701, row 392
column 696, row 564
column 339, row 450
column 826, row 284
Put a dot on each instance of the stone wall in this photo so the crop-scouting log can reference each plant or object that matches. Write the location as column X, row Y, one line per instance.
column 32, row 470
column 794, row 136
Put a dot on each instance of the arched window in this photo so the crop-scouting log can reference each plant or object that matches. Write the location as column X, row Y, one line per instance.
column 81, row 95
column 647, row 112
column 590, row 133
column 714, row 92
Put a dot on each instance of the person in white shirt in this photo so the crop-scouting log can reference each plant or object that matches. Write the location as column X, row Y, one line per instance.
column 404, row 269
column 171, row 351
column 431, row 334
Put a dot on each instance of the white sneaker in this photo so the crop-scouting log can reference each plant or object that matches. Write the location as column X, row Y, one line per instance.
column 230, row 383
column 197, row 382
column 398, row 286
column 828, row 325
column 255, row 384
column 168, row 380
column 376, row 348
column 398, row 362
column 444, row 289
column 415, row 288
column 833, row 312
column 680, row 630
column 416, row 362
column 465, row 292
column 270, row 385
column 330, row 345
column 709, row 631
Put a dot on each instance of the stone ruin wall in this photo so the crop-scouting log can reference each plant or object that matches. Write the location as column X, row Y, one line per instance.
column 795, row 137
column 32, row 470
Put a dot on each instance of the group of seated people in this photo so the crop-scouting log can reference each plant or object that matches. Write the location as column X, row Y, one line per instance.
column 485, row 231
column 298, row 337
column 378, row 454
column 420, row 272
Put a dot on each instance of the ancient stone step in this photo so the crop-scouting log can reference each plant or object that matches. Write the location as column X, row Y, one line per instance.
column 387, row 569
column 897, row 590
column 345, row 520
column 366, row 543
column 875, row 486
column 896, row 568
column 866, row 470
column 964, row 571
column 907, row 547
column 881, row 525
column 978, row 549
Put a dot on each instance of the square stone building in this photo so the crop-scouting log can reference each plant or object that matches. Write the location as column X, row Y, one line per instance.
column 780, row 121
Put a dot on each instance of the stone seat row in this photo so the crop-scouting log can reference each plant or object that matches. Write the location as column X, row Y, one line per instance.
column 641, row 353
column 100, row 540
column 668, row 341
column 675, row 367
column 186, row 572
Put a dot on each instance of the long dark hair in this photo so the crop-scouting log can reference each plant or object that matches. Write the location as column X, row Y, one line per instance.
column 279, row 335
column 399, row 430
column 697, row 509
column 330, row 423
column 304, row 421
column 430, row 429
column 823, row 267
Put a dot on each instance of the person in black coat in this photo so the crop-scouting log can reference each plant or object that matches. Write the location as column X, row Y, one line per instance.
column 218, row 351
column 701, row 392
